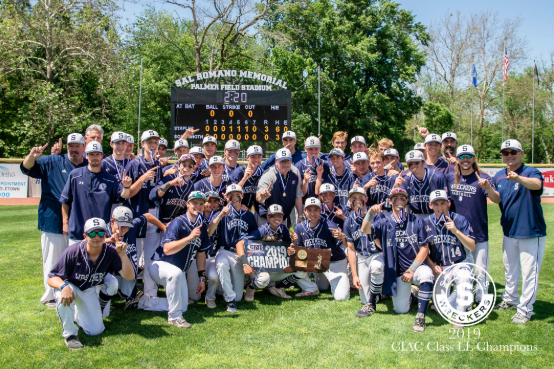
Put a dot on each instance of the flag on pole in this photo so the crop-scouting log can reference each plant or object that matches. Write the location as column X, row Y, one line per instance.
column 474, row 76
column 506, row 65
column 536, row 73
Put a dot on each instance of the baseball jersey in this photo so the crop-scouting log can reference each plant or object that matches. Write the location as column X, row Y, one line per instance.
column 419, row 190
column 470, row 200
column 227, row 172
column 53, row 172
column 140, row 203
column 302, row 166
column 445, row 248
column 296, row 157
column 114, row 167
column 213, row 239
column 380, row 193
column 363, row 243
column 521, row 209
column 320, row 237
column 292, row 190
column 442, row 165
column 130, row 238
column 234, row 226
column 74, row 266
column 342, row 184
column 204, row 185
column 329, row 213
column 266, row 233
column 89, row 195
column 178, row 229
column 250, row 186
column 174, row 201
column 401, row 241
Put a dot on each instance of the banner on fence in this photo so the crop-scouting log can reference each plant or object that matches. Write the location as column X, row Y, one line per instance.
column 13, row 183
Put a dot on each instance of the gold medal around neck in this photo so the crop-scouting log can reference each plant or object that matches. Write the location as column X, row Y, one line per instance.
column 284, row 194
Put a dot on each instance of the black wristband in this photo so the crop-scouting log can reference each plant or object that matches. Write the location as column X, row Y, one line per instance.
column 201, row 273
column 244, row 260
column 126, row 187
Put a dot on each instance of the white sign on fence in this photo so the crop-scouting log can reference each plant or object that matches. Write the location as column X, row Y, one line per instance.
column 548, row 174
column 13, row 183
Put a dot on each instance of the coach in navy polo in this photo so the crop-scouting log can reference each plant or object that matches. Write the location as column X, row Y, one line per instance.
column 53, row 171
column 89, row 193
column 518, row 191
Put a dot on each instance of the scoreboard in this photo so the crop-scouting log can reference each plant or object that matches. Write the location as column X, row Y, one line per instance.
column 241, row 115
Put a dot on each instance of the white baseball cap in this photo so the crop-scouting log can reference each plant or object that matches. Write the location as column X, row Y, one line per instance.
column 163, row 142
column 289, row 134
column 337, row 151
column 283, row 154
column 275, row 209
column 438, row 195
column 196, row 150
column 433, row 138
column 146, row 135
column 354, row 190
column 123, row 216
column 419, row 146
column 216, row 160
column 465, row 150
column 197, row 195
column 358, row 139
column 76, row 138
column 118, row 136
column 326, row 187
column 93, row 146
column 209, row 139
column 94, row 224
column 130, row 139
column 450, row 135
column 233, row 188
column 312, row 142
column 232, row 145
column 254, row 150
column 414, row 155
column 180, row 143
column 312, row 201
column 391, row 152
column 359, row 156
column 511, row 144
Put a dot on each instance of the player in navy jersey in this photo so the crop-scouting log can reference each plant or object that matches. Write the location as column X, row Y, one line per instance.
column 248, row 176
column 449, row 146
column 360, row 162
column 53, row 172
column 115, row 163
column 212, row 208
column 172, row 192
column 162, row 152
column 339, row 176
column 357, row 144
column 74, row 277
column 209, row 145
column 405, row 244
column 89, row 193
column 420, row 146
column 233, row 223
column 180, row 263
column 316, row 232
column 518, row 190
column 339, row 141
column 180, row 148
column 378, row 183
column 434, row 159
column 202, row 165
column 330, row 207
column 469, row 198
column 289, row 142
column 215, row 181
column 392, row 163
column 309, row 167
column 420, row 184
column 231, row 154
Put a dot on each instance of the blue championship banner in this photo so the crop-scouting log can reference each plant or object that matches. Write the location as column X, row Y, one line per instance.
column 267, row 256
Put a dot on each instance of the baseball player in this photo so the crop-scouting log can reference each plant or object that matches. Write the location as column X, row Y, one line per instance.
column 276, row 283
column 115, row 163
column 405, row 244
column 449, row 146
column 202, row 165
column 378, row 183
column 420, row 146
column 331, row 210
column 309, row 168
column 185, row 239
column 211, row 209
column 357, row 144
column 360, row 163
column 420, row 184
column 130, row 147
column 468, row 194
column 90, row 192
column 316, row 232
column 209, row 145
column 53, row 171
column 289, row 142
column 339, row 141
column 434, row 159
column 248, row 176
column 180, row 148
column 518, row 190
column 339, row 176
column 162, row 152
column 215, row 181
column 74, row 277
column 392, row 162
column 231, row 154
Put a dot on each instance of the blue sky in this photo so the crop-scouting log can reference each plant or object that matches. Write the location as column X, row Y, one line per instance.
column 537, row 27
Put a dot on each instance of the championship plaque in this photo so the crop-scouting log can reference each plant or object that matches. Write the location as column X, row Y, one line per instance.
column 309, row 260
column 269, row 256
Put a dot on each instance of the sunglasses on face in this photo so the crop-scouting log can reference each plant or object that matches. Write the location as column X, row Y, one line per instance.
column 93, row 234
column 465, row 156
column 508, row 153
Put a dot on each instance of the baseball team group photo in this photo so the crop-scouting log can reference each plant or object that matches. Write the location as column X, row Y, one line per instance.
column 275, row 184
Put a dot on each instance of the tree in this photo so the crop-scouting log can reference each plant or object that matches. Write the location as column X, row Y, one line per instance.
column 437, row 117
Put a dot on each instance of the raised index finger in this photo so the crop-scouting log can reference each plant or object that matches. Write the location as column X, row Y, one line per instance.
column 60, row 143
column 124, row 173
column 44, row 147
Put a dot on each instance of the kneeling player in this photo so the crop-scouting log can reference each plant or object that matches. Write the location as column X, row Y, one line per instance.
column 405, row 245
column 319, row 233
column 75, row 283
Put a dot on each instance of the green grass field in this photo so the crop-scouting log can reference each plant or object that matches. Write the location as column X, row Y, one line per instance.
column 270, row 332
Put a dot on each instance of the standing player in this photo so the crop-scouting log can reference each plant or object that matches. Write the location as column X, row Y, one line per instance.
column 309, row 167
column 420, row 146
column 434, row 159
column 360, row 162
column 519, row 194
column 357, row 144
column 231, row 154
column 89, row 193
column 289, row 142
column 339, row 141
column 212, row 207
column 94, row 133
column 405, row 245
column 78, row 271
column 392, row 161
column 185, row 240
column 339, row 176
column 180, row 148
column 116, row 163
column 209, row 145
column 215, row 181
column 420, row 184
column 162, row 152
column 378, row 183
column 53, row 171
column 248, row 176
column 449, row 146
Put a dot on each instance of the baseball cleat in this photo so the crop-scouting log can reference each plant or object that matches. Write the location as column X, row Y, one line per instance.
column 180, row 323
column 519, row 318
column 505, row 306
column 50, row 304
column 249, row 295
column 419, row 325
column 210, row 304
column 131, row 304
column 231, row 306
column 279, row 292
column 305, row 294
column 366, row 311
column 73, row 343
column 139, row 295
